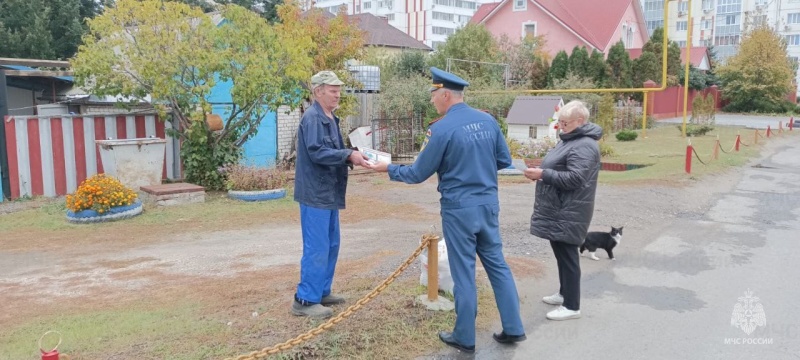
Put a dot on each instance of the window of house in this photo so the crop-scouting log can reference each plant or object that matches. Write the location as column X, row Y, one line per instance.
column 706, row 24
column 532, row 132
column 389, row 17
column 435, row 45
column 367, row 5
column 439, row 30
column 358, row 9
column 520, row 5
column 528, row 29
column 727, row 40
column 729, row 6
column 792, row 40
column 683, row 6
column 681, row 43
column 708, row 5
column 442, row 16
column 793, row 18
column 655, row 24
column 760, row 20
column 682, row 25
column 731, row 20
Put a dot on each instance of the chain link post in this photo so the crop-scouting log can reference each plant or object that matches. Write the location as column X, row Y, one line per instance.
column 433, row 268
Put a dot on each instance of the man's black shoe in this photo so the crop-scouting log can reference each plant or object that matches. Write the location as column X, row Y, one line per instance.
column 447, row 338
column 504, row 338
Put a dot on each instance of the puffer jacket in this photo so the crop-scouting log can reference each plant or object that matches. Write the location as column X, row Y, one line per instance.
column 564, row 201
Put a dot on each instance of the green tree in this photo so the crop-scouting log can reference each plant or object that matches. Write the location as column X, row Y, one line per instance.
column 760, row 75
column 209, row 6
column 579, row 62
column 559, row 68
column 598, row 70
column 646, row 67
column 655, row 45
column 271, row 11
column 334, row 41
column 697, row 79
column 405, row 96
column 541, row 72
column 65, row 27
column 24, row 30
column 410, row 63
column 176, row 55
column 605, row 114
column 525, row 60
column 619, row 64
column 576, row 82
column 474, row 44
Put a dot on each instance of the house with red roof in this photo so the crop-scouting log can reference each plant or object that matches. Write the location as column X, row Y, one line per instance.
column 567, row 23
column 699, row 57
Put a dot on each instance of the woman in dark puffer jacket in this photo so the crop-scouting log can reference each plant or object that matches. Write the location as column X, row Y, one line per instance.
column 565, row 189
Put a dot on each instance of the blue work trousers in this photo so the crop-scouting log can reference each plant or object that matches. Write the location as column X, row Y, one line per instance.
column 468, row 231
column 320, row 252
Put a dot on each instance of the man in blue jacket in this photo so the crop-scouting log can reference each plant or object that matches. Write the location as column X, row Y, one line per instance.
column 320, row 185
column 465, row 148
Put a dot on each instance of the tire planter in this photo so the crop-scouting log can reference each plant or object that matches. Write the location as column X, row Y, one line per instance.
column 113, row 214
column 257, row 195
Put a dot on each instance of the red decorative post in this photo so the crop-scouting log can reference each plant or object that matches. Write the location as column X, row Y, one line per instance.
column 689, row 158
column 769, row 132
column 738, row 142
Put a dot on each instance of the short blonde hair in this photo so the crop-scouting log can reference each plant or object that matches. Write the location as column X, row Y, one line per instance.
column 574, row 109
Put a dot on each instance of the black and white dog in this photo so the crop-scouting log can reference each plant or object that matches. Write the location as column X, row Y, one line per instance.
column 602, row 240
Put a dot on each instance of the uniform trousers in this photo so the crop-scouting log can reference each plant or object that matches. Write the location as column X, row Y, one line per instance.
column 320, row 252
column 569, row 273
column 470, row 231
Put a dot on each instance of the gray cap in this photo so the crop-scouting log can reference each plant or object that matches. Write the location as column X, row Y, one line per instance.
column 326, row 77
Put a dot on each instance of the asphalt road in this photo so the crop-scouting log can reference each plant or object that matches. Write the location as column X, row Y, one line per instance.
column 672, row 295
column 756, row 122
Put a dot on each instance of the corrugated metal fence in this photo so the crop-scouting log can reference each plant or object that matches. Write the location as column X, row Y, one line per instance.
column 51, row 156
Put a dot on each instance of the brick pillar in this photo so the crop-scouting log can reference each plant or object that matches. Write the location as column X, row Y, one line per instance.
column 648, row 108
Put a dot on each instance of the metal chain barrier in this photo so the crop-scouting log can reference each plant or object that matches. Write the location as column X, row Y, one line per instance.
column 345, row 314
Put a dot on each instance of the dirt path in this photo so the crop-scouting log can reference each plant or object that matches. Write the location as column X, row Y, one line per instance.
column 241, row 262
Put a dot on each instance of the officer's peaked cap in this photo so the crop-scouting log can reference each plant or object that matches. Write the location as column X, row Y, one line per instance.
column 444, row 79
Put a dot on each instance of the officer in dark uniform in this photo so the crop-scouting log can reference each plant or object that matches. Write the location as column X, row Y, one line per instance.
column 465, row 148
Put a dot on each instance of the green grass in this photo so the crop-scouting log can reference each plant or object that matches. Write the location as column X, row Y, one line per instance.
column 51, row 216
column 383, row 329
column 166, row 333
column 665, row 150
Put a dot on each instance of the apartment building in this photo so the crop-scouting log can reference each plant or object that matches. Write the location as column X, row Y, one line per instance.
column 429, row 21
column 721, row 22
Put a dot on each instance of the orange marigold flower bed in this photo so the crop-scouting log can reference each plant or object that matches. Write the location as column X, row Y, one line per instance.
column 100, row 193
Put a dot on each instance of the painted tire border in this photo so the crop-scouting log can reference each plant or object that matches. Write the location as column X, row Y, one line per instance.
column 115, row 213
column 257, row 195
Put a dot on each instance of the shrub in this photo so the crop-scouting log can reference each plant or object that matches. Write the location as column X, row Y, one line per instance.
column 606, row 150
column 515, row 148
column 538, row 148
column 627, row 135
column 100, row 193
column 251, row 178
column 697, row 130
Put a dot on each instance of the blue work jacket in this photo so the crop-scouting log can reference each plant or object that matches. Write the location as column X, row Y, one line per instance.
column 320, row 177
column 465, row 149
